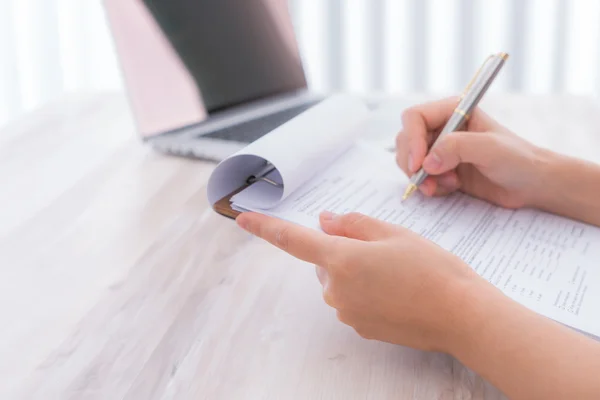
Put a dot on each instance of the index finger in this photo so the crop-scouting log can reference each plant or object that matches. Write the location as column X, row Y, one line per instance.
column 419, row 121
column 304, row 243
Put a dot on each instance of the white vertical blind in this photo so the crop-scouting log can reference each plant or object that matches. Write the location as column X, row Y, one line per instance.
column 50, row 47
column 442, row 43
column 72, row 31
column 356, row 57
column 396, row 46
column 38, row 56
column 467, row 38
column 582, row 45
column 493, row 32
column 10, row 83
column 312, row 23
column 541, row 46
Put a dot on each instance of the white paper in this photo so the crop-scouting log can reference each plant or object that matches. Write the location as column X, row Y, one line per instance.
column 547, row 263
column 299, row 149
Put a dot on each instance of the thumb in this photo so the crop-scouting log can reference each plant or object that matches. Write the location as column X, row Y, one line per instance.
column 356, row 226
column 455, row 148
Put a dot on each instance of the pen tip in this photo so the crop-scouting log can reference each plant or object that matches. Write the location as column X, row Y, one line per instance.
column 504, row 56
column 409, row 191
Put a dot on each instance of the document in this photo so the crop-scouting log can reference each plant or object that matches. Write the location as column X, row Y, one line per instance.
column 547, row 263
column 318, row 162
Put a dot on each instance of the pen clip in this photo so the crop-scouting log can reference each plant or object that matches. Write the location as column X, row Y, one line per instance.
column 475, row 77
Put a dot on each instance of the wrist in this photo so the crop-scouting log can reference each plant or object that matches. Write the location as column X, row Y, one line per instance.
column 464, row 312
column 568, row 186
column 473, row 310
column 547, row 184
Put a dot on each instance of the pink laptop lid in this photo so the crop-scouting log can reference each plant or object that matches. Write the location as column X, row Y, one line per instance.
column 163, row 94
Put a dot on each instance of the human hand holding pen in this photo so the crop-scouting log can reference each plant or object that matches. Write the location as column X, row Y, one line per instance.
column 488, row 161
column 485, row 160
column 465, row 105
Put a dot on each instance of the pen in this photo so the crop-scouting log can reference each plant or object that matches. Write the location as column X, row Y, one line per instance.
column 473, row 93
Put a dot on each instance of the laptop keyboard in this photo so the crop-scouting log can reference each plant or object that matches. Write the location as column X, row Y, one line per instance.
column 251, row 130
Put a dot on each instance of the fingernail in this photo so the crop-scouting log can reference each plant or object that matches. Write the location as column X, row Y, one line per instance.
column 411, row 167
column 433, row 161
column 328, row 215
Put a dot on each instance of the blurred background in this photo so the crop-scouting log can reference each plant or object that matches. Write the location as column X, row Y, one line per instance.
column 49, row 48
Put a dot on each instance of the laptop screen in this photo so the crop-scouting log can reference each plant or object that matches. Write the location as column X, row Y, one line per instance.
column 185, row 59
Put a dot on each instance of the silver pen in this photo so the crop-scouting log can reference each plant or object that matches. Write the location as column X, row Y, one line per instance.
column 468, row 101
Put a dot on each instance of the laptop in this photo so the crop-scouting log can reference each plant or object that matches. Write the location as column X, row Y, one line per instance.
column 206, row 78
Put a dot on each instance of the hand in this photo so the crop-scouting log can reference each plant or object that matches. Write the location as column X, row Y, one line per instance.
column 392, row 285
column 386, row 282
column 486, row 161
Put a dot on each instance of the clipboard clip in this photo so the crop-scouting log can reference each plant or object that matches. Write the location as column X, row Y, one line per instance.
column 262, row 176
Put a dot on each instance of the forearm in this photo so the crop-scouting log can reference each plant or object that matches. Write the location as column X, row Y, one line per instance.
column 571, row 188
column 525, row 355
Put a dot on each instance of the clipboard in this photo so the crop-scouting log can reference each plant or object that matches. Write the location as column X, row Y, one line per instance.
column 299, row 148
column 223, row 206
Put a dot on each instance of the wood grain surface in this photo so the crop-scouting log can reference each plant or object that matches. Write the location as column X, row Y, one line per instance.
column 117, row 280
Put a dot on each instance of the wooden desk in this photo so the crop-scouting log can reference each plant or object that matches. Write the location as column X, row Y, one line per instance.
column 118, row 282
